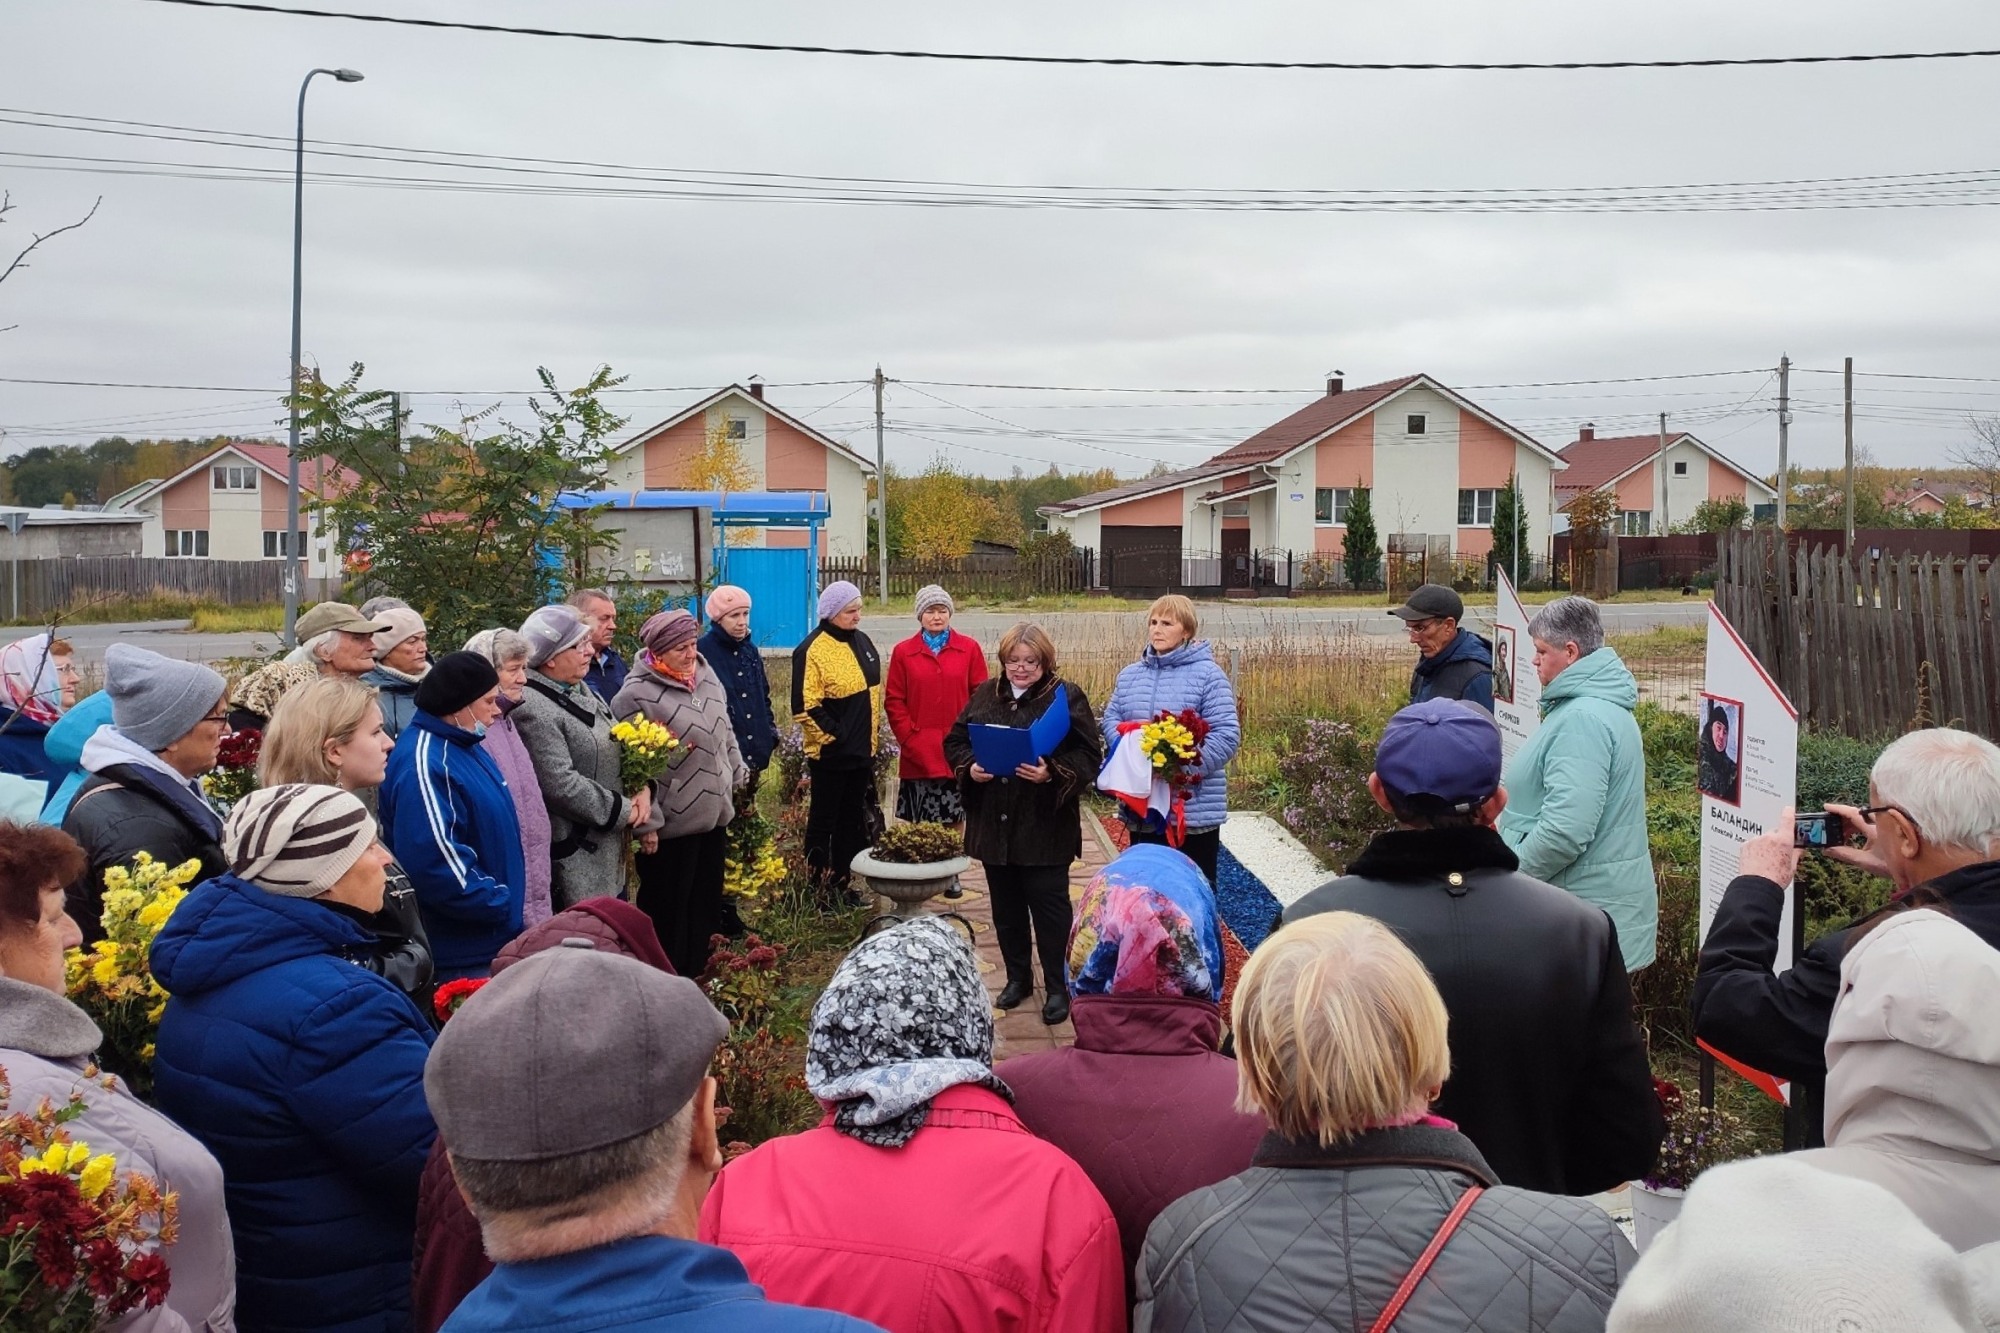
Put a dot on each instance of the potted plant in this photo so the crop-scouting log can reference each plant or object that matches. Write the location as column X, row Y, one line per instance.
column 912, row 863
column 1698, row 1137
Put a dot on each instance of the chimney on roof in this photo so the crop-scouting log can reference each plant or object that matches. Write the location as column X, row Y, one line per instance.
column 757, row 387
column 1334, row 382
column 1588, row 433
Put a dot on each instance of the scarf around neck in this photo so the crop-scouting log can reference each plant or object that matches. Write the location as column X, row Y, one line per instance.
column 935, row 642
column 904, row 1018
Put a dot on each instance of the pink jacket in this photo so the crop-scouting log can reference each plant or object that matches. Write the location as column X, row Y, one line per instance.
column 975, row 1223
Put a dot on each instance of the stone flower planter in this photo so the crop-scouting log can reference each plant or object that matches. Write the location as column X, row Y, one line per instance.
column 909, row 885
column 1652, row 1211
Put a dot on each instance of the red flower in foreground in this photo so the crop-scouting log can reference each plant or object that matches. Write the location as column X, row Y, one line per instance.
column 453, row 994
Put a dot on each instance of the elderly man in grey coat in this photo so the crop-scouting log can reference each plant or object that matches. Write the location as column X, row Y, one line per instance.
column 567, row 731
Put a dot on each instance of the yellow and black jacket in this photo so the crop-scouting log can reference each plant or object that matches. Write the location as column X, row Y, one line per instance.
column 837, row 695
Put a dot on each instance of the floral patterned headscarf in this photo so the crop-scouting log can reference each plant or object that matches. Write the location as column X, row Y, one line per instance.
column 1146, row 926
column 904, row 1018
column 32, row 686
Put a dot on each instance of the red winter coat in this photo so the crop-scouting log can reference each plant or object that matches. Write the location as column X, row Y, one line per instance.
column 1143, row 1102
column 974, row 1223
column 925, row 694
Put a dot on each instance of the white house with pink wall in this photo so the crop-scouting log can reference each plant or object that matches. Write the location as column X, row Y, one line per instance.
column 782, row 452
column 1655, row 490
column 1432, row 461
column 231, row 506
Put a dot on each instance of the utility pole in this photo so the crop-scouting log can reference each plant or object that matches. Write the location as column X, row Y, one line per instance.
column 881, row 496
column 1784, row 436
column 1664, row 520
column 1847, row 417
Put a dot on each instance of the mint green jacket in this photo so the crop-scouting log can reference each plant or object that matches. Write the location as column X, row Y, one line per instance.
column 1576, row 800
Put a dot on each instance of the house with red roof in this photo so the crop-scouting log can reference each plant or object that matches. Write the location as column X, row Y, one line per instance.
column 1432, row 461
column 1655, row 490
column 782, row 452
column 230, row 505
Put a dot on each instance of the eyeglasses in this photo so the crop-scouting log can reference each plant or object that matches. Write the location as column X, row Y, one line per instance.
column 1419, row 626
column 1867, row 813
column 220, row 719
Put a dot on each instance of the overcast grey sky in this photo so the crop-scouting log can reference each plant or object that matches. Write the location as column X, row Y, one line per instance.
column 186, row 281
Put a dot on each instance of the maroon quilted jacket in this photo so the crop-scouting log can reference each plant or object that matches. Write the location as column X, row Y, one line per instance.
column 1143, row 1103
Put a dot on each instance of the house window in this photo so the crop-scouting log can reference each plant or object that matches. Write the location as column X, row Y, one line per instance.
column 1415, row 424
column 1681, row 468
column 187, row 542
column 235, row 478
column 275, row 545
column 1634, row 522
column 739, row 429
column 1330, row 504
column 1475, row 508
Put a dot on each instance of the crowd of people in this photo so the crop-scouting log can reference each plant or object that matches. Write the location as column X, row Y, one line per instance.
column 1431, row 1061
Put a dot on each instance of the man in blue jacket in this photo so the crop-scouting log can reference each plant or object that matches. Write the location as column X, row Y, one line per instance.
column 1453, row 662
column 450, row 819
column 578, row 1115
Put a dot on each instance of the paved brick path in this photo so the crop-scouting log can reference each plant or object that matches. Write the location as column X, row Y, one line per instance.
column 1022, row 1030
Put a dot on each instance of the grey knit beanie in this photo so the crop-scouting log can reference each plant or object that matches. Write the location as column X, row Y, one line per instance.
column 296, row 840
column 156, row 700
column 931, row 595
column 550, row 630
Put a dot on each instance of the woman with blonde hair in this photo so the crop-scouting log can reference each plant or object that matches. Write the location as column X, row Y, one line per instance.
column 329, row 732
column 1355, row 1196
column 1177, row 672
column 1023, row 825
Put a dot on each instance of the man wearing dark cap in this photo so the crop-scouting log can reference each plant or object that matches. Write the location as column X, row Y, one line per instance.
column 1548, row 1069
column 577, row 1111
column 1454, row 663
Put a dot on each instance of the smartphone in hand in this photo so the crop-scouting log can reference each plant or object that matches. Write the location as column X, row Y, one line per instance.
column 1814, row 830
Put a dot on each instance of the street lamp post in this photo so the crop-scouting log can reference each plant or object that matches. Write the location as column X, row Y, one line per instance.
column 293, row 547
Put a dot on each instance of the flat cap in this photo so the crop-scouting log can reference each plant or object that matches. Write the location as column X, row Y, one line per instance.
column 1431, row 601
column 568, row 1051
column 335, row 615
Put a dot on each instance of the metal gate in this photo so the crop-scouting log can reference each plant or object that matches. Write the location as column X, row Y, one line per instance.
column 783, row 586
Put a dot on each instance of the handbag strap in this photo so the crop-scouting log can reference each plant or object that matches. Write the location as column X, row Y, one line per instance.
column 1424, row 1260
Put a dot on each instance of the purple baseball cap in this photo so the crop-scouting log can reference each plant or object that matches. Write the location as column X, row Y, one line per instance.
column 1445, row 749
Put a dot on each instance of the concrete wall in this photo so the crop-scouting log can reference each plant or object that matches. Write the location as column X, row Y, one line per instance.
column 55, row 541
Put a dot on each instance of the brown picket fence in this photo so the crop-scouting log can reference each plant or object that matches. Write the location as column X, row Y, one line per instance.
column 1866, row 643
column 51, row 587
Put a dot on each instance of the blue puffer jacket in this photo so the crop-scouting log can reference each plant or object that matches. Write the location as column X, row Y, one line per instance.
column 740, row 668
column 1187, row 677
column 449, row 818
column 303, row 1073
column 21, row 747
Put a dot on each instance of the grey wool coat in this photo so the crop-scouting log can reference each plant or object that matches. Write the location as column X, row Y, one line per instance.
column 567, row 732
column 699, row 795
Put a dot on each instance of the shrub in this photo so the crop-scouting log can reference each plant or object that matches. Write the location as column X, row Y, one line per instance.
column 918, row 844
column 1833, row 767
column 1324, row 767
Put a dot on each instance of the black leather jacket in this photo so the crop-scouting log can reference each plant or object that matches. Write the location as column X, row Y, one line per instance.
column 402, row 950
column 125, row 810
column 1548, row 1067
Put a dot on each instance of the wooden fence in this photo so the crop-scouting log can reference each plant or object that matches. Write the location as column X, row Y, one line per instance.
column 978, row 576
column 1868, row 645
column 49, row 587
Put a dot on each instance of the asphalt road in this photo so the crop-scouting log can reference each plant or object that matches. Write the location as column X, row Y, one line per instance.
column 1242, row 624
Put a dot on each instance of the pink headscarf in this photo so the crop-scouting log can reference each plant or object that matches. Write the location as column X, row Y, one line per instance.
column 28, row 673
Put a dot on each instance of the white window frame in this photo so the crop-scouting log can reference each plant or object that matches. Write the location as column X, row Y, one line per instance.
column 1635, row 522
column 231, row 477
column 737, row 428
column 275, row 546
column 1680, row 467
column 1491, row 497
column 1417, row 423
column 187, row 543
column 1339, row 500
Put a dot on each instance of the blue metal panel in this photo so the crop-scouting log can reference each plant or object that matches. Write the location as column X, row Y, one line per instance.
column 784, row 590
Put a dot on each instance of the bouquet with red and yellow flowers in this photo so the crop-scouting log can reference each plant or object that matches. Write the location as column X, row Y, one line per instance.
column 1154, row 767
column 79, row 1248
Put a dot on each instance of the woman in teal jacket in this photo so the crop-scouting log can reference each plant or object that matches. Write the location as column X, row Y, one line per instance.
column 1576, row 792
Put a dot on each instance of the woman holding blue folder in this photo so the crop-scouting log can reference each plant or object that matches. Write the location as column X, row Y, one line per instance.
column 1022, row 824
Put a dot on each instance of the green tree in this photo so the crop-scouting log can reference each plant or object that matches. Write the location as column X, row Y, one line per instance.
column 1361, row 550
column 1510, row 531
column 942, row 514
column 461, row 523
column 1724, row 515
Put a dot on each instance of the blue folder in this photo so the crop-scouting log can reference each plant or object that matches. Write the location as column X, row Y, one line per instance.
column 1000, row 750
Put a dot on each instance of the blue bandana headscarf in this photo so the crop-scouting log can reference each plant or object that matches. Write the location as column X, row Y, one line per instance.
column 1147, row 926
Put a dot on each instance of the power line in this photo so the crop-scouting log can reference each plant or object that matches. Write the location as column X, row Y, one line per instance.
column 279, row 389
column 793, row 48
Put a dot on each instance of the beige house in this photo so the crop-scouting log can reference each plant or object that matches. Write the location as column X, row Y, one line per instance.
column 782, row 452
column 1432, row 461
column 231, row 506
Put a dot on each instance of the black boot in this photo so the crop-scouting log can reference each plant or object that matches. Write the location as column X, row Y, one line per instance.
column 1013, row 993
column 1057, row 1009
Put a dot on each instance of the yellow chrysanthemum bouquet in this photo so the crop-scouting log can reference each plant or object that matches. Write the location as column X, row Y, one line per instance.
column 645, row 751
column 751, row 866
column 112, row 981
column 1170, row 746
